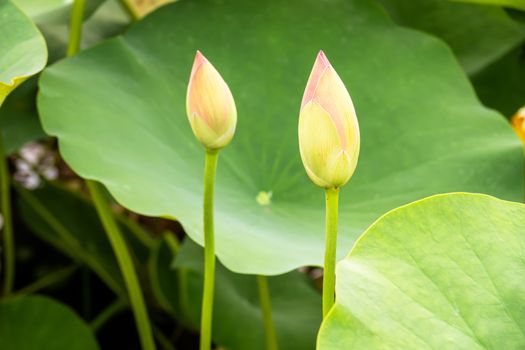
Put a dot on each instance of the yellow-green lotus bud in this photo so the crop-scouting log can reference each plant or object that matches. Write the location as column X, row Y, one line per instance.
column 328, row 128
column 210, row 105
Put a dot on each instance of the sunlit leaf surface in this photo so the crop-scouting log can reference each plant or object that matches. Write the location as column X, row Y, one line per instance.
column 446, row 272
column 22, row 48
column 118, row 111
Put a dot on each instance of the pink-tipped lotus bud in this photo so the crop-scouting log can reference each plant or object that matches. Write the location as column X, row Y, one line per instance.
column 328, row 128
column 210, row 105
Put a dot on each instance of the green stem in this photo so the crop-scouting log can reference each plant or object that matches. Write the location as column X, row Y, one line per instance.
column 163, row 340
column 210, row 168
column 130, row 9
column 106, row 314
column 332, row 201
column 184, row 298
column 47, row 280
column 266, row 309
column 182, row 277
column 75, row 27
column 8, row 234
column 125, row 263
column 66, row 242
column 106, row 216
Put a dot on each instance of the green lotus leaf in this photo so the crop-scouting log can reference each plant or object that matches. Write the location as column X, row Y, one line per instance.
column 445, row 272
column 517, row 4
column 296, row 305
column 54, row 11
column 118, row 111
column 36, row 323
column 70, row 223
column 487, row 40
column 23, row 50
column 479, row 35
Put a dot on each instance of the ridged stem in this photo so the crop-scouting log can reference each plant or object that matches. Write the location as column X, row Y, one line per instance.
column 126, row 265
column 47, row 280
column 106, row 314
column 75, row 27
column 332, row 202
column 210, row 167
column 106, row 215
column 130, row 9
column 266, row 309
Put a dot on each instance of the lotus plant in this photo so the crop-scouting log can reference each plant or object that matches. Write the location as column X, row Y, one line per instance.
column 329, row 146
column 213, row 116
column 104, row 211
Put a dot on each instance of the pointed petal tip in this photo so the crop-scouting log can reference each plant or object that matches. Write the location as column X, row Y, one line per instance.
column 197, row 62
column 320, row 65
column 199, row 57
column 322, row 59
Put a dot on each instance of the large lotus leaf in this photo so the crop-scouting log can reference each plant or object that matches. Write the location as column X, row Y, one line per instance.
column 500, row 85
column 446, row 272
column 517, row 4
column 296, row 305
column 486, row 39
column 36, row 323
column 70, row 223
column 119, row 113
column 22, row 48
column 479, row 35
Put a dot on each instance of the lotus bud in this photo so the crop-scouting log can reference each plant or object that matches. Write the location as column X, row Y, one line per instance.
column 328, row 128
column 518, row 123
column 210, row 105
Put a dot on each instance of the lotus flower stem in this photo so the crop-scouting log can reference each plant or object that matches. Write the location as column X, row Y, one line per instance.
column 125, row 263
column 210, row 168
column 48, row 280
column 212, row 116
column 266, row 308
column 8, row 235
column 163, row 340
column 106, row 314
column 105, row 214
column 332, row 203
column 130, row 9
column 75, row 29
